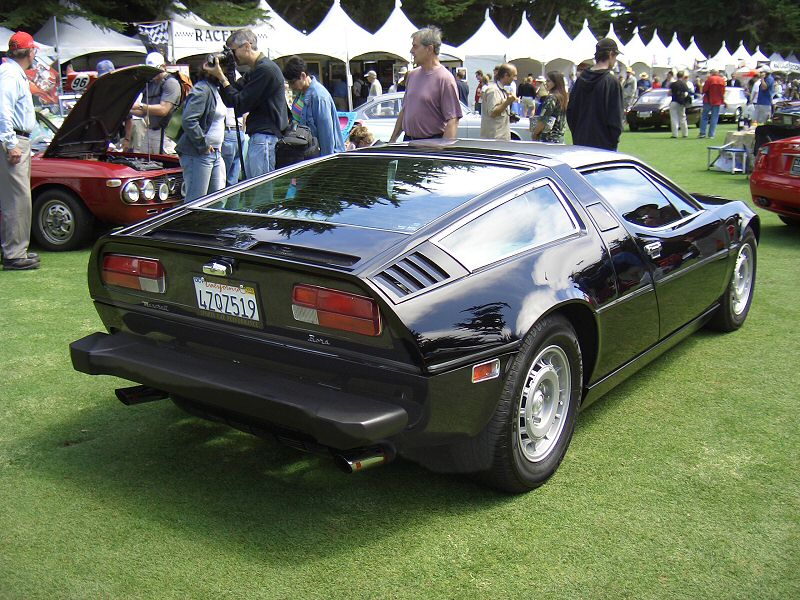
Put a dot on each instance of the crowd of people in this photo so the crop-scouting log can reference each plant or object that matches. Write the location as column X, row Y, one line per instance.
column 267, row 101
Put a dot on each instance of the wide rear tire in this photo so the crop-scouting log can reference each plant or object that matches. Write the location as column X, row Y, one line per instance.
column 530, row 431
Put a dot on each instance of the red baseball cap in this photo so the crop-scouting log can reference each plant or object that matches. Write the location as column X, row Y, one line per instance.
column 21, row 41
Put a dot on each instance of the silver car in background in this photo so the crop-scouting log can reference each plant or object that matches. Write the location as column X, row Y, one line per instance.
column 735, row 101
column 379, row 115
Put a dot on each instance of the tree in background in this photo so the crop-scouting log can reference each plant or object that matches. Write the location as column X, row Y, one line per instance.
column 774, row 24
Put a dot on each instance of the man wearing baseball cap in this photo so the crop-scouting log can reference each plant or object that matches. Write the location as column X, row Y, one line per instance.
column 161, row 97
column 17, row 120
column 594, row 112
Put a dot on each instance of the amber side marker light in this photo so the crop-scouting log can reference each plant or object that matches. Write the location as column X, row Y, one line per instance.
column 336, row 309
column 486, row 371
column 134, row 272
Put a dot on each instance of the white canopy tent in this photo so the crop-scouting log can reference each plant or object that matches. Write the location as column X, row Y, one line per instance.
column 339, row 36
column 5, row 35
column 759, row 56
column 676, row 54
column 742, row 57
column 623, row 58
column 694, row 54
column 657, row 52
column 75, row 36
column 525, row 50
column 722, row 60
column 394, row 37
column 281, row 38
column 584, row 44
column 636, row 53
column 483, row 51
column 558, row 55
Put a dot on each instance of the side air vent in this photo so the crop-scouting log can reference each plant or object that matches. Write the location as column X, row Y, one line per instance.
column 410, row 274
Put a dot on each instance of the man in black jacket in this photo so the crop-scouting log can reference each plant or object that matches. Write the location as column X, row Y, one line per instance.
column 594, row 113
column 261, row 93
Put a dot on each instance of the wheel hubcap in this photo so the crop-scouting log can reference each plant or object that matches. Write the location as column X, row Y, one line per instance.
column 742, row 280
column 543, row 404
column 58, row 222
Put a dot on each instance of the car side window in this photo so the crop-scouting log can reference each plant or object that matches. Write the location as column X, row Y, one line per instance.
column 530, row 219
column 636, row 198
column 382, row 109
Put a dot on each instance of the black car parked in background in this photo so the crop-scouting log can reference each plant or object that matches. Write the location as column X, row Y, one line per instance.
column 651, row 109
column 456, row 302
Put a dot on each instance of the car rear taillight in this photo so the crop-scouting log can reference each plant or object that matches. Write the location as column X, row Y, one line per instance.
column 336, row 310
column 134, row 272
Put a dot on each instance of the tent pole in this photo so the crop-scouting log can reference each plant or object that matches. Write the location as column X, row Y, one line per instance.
column 60, row 87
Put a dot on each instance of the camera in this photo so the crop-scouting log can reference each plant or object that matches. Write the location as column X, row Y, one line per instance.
column 226, row 58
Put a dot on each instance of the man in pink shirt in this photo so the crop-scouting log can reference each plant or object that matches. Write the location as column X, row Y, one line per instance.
column 713, row 99
column 431, row 108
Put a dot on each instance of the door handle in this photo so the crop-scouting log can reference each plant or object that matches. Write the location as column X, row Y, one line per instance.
column 653, row 249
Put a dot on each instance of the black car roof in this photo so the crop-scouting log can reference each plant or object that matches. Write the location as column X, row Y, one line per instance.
column 542, row 153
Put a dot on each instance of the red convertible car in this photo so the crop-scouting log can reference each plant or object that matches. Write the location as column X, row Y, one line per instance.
column 775, row 181
column 78, row 182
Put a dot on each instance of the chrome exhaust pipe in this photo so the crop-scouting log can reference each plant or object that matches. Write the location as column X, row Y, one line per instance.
column 353, row 461
column 139, row 394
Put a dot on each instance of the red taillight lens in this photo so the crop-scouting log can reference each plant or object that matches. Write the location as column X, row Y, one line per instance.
column 335, row 309
column 145, row 274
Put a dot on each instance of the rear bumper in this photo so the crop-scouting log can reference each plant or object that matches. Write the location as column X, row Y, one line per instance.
column 781, row 191
column 332, row 417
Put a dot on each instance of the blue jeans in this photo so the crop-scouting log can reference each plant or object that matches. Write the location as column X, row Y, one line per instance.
column 260, row 154
column 230, row 155
column 710, row 113
column 203, row 174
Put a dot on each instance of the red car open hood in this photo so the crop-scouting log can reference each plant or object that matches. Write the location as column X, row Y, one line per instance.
column 99, row 113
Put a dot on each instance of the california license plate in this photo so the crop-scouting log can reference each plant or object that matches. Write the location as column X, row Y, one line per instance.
column 227, row 301
column 645, row 114
column 795, row 170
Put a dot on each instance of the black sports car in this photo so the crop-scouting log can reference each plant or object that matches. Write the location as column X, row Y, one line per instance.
column 453, row 302
column 651, row 109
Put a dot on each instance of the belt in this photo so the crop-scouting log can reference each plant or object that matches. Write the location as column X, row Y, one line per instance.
column 22, row 134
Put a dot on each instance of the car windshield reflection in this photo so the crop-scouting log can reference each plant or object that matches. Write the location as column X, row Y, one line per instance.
column 398, row 194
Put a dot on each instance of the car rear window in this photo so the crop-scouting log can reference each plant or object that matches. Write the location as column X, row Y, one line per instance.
column 382, row 192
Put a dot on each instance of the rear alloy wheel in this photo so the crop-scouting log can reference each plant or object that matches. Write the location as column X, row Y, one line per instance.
column 532, row 426
column 735, row 302
column 633, row 127
column 60, row 220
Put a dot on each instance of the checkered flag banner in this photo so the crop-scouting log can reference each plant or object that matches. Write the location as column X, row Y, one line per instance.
column 155, row 34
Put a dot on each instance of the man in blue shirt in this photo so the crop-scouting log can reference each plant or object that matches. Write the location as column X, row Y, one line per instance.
column 766, row 88
column 17, row 120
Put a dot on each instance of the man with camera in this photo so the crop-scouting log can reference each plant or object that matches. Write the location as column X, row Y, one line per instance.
column 496, row 116
column 260, row 92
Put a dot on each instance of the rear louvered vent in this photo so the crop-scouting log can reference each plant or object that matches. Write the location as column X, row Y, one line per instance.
column 411, row 274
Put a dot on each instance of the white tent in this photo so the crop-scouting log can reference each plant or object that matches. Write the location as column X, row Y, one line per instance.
column 676, row 54
column 488, row 40
column 722, row 60
column 394, row 36
column 185, row 16
column 657, row 51
column 75, row 36
column 759, row 56
column 525, row 49
column 281, row 38
column 693, row 53
column 484, row 50
column 5, row 35
column 635, row 51
column 742, row 57
column 584, row 44
column 339, row 36
column 623, row 58
column 775, row 57
column 558, row 55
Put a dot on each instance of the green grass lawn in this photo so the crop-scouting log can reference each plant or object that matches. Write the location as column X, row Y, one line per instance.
column 683, row 482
